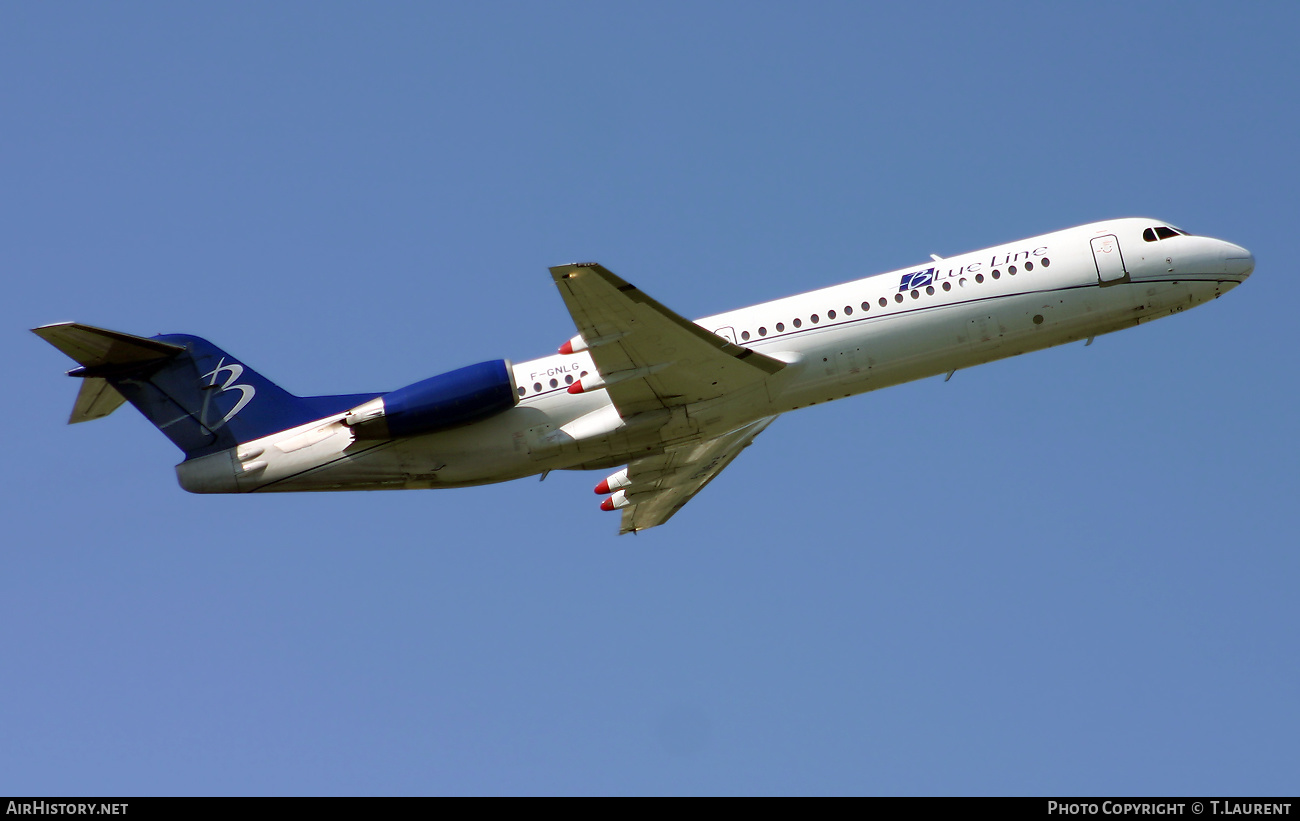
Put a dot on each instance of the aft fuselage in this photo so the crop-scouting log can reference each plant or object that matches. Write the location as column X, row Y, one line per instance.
column 917, row 322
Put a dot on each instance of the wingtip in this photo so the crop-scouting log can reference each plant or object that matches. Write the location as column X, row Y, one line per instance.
column 570, row 269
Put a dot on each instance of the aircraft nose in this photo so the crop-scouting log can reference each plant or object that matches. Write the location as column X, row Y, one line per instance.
column 1238, row 261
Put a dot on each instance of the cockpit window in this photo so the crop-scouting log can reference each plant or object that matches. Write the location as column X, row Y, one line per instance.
column 1160, row 232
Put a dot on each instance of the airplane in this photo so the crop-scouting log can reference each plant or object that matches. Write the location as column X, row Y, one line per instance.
column 671, row 400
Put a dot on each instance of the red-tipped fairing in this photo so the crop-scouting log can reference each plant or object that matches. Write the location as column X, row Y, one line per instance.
column 613, row 482
column 617, row 501
column 574, row 345
column 590, row 382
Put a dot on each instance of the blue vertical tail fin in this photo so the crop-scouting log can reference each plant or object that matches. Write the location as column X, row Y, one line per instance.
column 199, row 396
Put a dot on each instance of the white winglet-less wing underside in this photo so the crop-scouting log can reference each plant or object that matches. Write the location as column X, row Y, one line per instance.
column 657, row 486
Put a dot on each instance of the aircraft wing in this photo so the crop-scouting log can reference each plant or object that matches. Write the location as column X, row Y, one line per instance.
column 648, row 356
column 658, row 486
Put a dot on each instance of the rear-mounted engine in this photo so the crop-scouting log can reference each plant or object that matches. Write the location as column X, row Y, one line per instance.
column 444, row 401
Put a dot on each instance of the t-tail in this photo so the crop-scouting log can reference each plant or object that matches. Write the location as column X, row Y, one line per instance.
column 199, row 396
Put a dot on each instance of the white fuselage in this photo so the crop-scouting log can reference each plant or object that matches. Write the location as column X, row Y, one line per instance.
column 847, row 339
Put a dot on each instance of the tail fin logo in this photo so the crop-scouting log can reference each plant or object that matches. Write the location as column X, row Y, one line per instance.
column 233, row 370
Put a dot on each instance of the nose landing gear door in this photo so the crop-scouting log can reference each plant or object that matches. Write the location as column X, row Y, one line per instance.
column 1109, row 260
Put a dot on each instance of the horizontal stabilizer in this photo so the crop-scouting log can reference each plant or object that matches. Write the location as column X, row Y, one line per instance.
column 96, row 400
column 101, row 352
column 95, row 348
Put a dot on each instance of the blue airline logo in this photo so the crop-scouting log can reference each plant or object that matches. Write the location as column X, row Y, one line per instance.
column 916, row 279
column 933, row 275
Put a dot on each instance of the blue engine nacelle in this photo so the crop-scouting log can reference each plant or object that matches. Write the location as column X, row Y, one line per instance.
column 444, row 401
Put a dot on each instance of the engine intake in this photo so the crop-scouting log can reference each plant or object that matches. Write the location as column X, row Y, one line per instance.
column 454, row 398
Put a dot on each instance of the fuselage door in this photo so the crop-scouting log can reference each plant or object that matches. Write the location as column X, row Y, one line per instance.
column 728, row 334
column 1110, row 262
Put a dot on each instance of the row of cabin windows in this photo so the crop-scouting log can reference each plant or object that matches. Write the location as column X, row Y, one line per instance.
column 996, row 273
column 832, row 315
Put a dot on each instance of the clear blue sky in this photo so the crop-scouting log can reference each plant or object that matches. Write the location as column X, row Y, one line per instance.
column 1073, row 572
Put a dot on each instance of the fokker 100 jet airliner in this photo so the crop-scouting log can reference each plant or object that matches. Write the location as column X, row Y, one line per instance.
column 639, row 385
